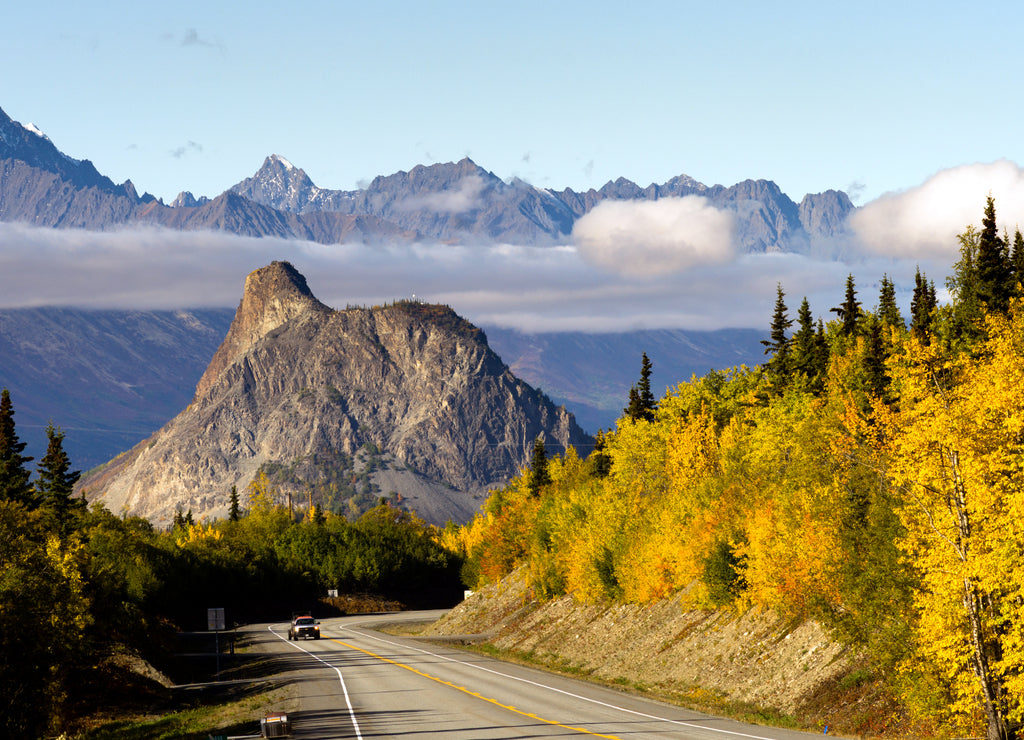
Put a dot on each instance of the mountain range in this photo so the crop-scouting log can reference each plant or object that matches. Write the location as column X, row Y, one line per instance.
column 455, row 202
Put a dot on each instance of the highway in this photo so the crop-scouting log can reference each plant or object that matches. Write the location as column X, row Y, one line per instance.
column 357, row 682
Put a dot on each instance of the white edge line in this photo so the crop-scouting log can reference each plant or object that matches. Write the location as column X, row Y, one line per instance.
column 478, row 667
column 344, row 688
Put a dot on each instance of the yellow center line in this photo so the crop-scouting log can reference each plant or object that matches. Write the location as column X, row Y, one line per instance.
column 474, row 694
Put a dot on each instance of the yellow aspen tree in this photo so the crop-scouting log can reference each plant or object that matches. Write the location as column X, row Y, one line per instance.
column 956, row 446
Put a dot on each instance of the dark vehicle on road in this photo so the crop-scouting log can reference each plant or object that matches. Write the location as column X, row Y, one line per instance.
column 304, row 626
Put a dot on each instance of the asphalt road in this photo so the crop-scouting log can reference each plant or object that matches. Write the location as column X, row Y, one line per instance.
column 357, row 682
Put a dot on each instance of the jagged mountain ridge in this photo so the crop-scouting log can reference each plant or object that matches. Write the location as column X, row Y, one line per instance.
column 454, row 201
column 457, row 202
column 294, row 380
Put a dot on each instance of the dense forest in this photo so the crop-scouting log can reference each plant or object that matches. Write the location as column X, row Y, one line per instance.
column 869, row 475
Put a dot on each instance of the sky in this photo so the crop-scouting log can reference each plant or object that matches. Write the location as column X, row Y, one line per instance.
column 912, row 108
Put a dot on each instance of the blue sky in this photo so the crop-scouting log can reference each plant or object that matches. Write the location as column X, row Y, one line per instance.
column 866, row 97
column 913, row 108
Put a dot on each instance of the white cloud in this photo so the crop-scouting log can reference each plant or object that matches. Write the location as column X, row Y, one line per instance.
column 648, row 238
column 527, row 288
column 924, row 221
column 461, row 199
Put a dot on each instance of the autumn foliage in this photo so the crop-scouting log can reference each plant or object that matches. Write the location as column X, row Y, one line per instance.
column 870, row 476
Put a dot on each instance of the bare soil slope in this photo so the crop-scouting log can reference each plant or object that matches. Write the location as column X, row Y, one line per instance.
column 753, row 663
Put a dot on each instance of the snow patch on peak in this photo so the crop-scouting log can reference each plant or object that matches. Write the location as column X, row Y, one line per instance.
column 282, row 160
column 31, row 127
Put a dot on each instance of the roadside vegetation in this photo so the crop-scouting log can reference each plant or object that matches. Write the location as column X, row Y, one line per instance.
column 81, row 587
column 866, row 476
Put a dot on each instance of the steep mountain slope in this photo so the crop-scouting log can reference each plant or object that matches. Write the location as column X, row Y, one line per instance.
column 298, row 386
column 112, row 378
column 107, row 378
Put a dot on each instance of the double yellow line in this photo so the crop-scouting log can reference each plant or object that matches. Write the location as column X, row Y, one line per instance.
column 474, row 694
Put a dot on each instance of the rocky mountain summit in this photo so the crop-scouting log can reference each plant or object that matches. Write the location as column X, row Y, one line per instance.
column 452, row 202
column 408, row 395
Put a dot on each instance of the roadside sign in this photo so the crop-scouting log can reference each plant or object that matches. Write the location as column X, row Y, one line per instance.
column 215, row 619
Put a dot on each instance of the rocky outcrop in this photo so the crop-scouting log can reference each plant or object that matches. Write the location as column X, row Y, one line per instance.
column 295, row 382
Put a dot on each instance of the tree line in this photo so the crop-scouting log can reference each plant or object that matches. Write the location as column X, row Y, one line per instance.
column 867, row 475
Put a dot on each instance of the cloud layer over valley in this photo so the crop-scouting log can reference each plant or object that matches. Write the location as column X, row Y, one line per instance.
column 670, row 263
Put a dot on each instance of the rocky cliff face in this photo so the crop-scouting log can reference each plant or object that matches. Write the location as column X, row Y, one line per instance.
column 295, row 383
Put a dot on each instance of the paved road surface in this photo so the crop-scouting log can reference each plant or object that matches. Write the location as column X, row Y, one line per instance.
column 356, row 682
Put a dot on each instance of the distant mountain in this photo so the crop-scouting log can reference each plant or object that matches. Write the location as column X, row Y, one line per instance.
column 456, row 202
column 309, row 394
column 107, row 378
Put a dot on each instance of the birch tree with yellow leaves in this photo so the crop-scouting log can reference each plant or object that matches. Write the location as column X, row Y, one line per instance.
column 956, row 444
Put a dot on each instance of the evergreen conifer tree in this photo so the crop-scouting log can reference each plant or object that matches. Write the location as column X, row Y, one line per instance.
column 641, row 400
column 888, row 311
column 874, row 358
column 778, row 346
column 14, row 476
column 56, row 481
column 810, row 349
column 1017, row 259
column 599, row 460
column 234, row 509
column 849, row 311
column 995, row 274
column 539, row 476
column 922, row 308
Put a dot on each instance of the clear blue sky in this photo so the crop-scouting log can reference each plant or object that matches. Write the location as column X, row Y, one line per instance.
column 867, row 97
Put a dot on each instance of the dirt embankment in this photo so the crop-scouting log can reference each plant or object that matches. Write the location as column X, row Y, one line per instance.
column 754, row 663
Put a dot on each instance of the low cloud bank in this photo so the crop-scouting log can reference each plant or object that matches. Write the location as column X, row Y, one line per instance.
column 663, row 264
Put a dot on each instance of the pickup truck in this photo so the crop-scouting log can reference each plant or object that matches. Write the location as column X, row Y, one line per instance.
column 304, row 626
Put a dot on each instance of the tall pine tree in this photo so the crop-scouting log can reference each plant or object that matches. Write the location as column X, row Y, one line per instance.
column 995, row 273
column 778, row 346
column 56, row 481
column 922, row 308
column 234, row 508
column 14, row 476
column 641, row 400
column 888, row 311
column 539, row 475
column 849, row 312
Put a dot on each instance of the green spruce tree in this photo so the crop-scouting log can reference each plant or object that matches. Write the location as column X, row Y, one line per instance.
column 810, row 351
column 1017, row 260
column 849, row 312
column 14, row 476
column 234, row 508
column 922, row 308
column 55, row 482
column 539, row 475
column 995, row 273
column 778, row 346
column 641, row 400
column 888, row 311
